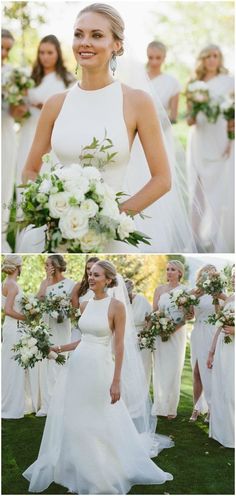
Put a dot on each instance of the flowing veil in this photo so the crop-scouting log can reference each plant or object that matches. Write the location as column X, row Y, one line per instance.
column 134, row 387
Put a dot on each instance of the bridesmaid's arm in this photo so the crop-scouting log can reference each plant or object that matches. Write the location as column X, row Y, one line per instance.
column 12, row 291
column 213, row 348
column 173, row 108
column 150, row 134
column 119, row 330
column 42, row 139
column 65, row 347
column 74, row 295
column 156, row 298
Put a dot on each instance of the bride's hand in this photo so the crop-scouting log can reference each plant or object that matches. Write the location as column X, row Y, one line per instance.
column 115, row 392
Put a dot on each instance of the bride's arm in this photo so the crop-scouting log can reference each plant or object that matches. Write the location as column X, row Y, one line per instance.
column 119, row 330
column 42, row 138
column 149, row 131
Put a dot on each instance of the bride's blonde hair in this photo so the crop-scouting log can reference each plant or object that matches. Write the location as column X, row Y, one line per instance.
column 10, row 264
column 200, row 70
column 110, row 272
column 116, row 22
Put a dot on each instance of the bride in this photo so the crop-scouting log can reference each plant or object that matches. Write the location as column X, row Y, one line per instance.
column 90, row 444
column 100, row 104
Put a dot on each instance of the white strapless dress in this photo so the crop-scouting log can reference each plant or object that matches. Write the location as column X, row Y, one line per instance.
column 89, row 445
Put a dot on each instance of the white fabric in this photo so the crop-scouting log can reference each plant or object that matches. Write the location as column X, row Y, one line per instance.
column 89, row 445
column 222, row 416
column 214, row 173
column 61, row 334
column 140, row 306
column 168, row 364
column 166, row 87
column 200, row 342
column 75, row 331
column 9, row 149
column 16, row 397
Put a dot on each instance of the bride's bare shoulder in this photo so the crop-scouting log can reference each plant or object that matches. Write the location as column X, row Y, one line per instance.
column 137, row 96
column 54, row 104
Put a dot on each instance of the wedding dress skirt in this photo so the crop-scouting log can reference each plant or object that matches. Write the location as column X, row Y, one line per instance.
column 89, row 445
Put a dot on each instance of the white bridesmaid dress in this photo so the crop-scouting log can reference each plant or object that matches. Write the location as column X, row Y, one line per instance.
column 61, row 334
column 166, row 86
column 200, row 342
column 140, row 306
column 8, row 155
column 89, row 445
column 222, row 418
column 168, row 363
column 16, row 394
column 206, row 163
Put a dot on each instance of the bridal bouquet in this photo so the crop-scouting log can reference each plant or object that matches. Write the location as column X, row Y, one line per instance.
column 58, row 306
column 34, row 346
column 183, row 299
column 31, row 308
column 199, row 98
column 80, row 211
column 212, row 283
column 227, row 108
column 156, row 324
column 226, row 317
column 15, row 85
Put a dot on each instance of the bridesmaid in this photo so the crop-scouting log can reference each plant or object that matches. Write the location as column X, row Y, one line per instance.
column 16, row 400
column 169, row 356
column 166, row 86
column 56, row 284
column 200, row 341
column 210, row 160
column 221, row 360
column 81, row 292
column 9, row 112
column 140, row 307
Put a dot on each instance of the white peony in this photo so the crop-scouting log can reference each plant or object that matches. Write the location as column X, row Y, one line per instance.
column 92, row 241
column 74, row 224
column 45, row 186
column 89, row 207
column 126, row 226
column 59, row 204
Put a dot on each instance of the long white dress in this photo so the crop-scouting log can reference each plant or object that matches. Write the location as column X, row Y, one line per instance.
column 140, row 306
column 89, row 445
column 222, row 418
column 75, row 331
column 16, row 395
column 61, row 334
column 9, row 149
column 166, row 87
column 200, row 342
column 168, row 364
column 207, row 164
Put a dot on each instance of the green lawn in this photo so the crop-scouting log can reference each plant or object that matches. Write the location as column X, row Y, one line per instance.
column 199, row 464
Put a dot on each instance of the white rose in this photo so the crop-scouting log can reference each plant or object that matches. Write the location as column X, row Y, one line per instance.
column 89, row 207
column 45, row 186
column 52, row 355
column 126, row 226
column 91, row 173
column 28, row 306
column 34, row 350
column 91, row 241
column 74, row 224
column 163, row 321
column 32, row 342
column 144, row 341
column 110, row 209
column 24, row 359
column 54, row 314
column 59, row 204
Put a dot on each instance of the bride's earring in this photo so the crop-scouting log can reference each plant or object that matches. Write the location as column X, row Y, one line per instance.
column 105, row 289
column 113, row 63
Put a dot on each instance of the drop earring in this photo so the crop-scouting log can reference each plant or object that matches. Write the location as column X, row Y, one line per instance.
column 105, row 289
column 113, row 63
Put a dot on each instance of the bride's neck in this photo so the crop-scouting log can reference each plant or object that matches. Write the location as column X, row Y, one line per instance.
column 95, row 80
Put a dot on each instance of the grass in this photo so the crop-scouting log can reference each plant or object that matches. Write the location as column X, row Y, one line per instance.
column 199, row 465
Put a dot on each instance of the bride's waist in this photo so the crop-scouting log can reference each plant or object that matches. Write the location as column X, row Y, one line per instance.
column 101, row 340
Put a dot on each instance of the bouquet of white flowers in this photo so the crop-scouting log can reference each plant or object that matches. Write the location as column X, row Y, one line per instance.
column 58, row 307
column 227, row 108
column 212, row 283
column 156, row 324
column 226, row 317
column 183, row 299
column 15, row 85
column 31, row 308
column 80, row 210
column 34, row 346
column 200, row 101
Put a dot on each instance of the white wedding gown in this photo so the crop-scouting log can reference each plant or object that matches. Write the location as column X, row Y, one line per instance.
column 168, row 363
column 89, row 445
column 214, row 172
column 200, row 344
column 16, row 393
column 222, row 418
column 60, row 334
column 140, row 306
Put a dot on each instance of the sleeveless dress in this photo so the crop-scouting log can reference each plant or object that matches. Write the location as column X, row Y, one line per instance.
column 206, row 145
column 140, row 306
column 61, row 334
column 222, row 416
column 168, row 364
column 200, row 342
column 166, row 87
column 89, row 445
column 16, row 397
column 75, row 331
